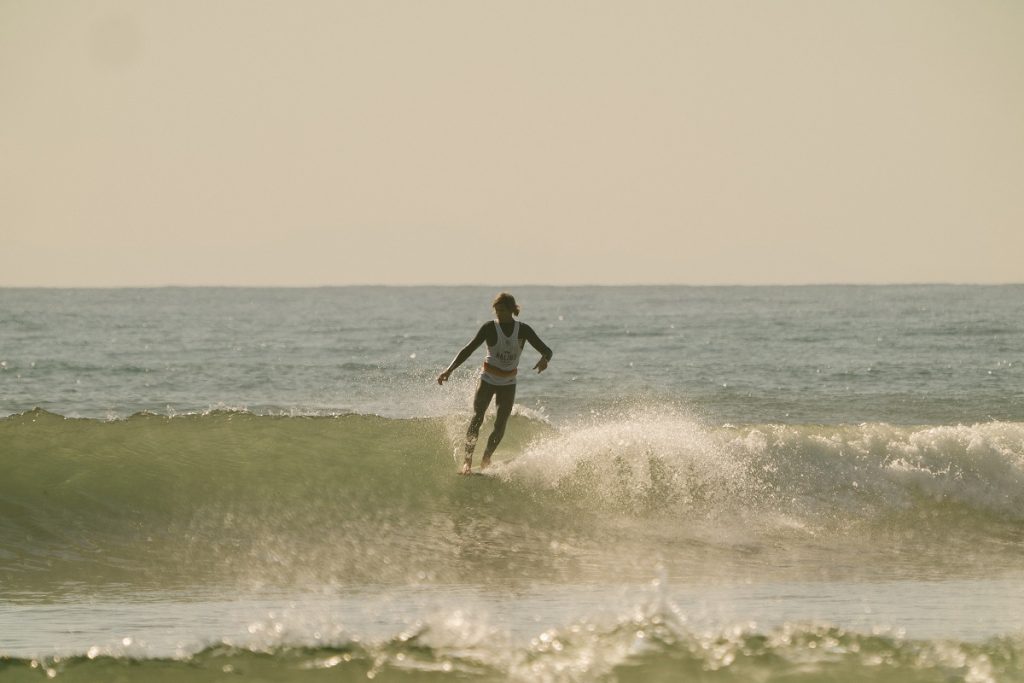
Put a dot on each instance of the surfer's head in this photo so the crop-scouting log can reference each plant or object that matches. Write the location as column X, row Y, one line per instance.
column 507, row 302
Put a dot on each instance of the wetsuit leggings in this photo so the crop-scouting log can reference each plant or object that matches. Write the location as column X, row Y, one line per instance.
column 505, row 396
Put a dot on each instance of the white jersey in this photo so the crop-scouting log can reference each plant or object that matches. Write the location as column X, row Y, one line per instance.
column 502, row 362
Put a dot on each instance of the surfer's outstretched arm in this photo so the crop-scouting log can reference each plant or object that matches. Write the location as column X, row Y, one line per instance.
column 465, row 353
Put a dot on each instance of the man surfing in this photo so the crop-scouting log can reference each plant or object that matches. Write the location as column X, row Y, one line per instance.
column 505, row 338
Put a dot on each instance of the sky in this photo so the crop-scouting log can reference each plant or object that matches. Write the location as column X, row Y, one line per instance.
column 338, row 142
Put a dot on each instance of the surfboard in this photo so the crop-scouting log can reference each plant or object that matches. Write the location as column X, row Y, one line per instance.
column 491, row 471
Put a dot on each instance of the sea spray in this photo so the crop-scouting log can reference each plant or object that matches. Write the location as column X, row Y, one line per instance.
column 657, row 462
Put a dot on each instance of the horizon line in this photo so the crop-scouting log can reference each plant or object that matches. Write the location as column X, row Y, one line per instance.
column 949, row 283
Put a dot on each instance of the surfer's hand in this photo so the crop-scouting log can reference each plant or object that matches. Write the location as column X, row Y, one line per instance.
column 443, row 377
column 541, row 365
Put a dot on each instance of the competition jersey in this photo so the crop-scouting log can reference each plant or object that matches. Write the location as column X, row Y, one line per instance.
column 502, row 360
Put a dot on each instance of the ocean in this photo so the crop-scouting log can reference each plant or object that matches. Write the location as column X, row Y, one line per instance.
column 707, row 484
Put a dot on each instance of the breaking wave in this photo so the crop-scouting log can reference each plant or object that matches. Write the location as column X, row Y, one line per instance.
column 357, row 498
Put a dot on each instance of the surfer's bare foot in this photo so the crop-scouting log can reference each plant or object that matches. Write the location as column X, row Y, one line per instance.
column 486, row 462
column 466, row 469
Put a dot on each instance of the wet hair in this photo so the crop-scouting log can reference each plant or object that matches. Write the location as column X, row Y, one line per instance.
column 508, row 300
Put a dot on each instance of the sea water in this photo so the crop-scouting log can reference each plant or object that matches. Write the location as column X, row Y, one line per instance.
column 713, row 484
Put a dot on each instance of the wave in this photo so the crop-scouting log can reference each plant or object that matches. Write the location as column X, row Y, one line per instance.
column 645, row 647
column 357, row 498
column 843, row 473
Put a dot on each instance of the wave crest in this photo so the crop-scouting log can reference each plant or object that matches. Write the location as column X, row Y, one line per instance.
column 357, row 498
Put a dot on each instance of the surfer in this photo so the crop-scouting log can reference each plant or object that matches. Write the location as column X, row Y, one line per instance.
column 505, row 339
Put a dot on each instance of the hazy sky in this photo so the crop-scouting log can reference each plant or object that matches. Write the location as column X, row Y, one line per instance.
column 315, row 142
